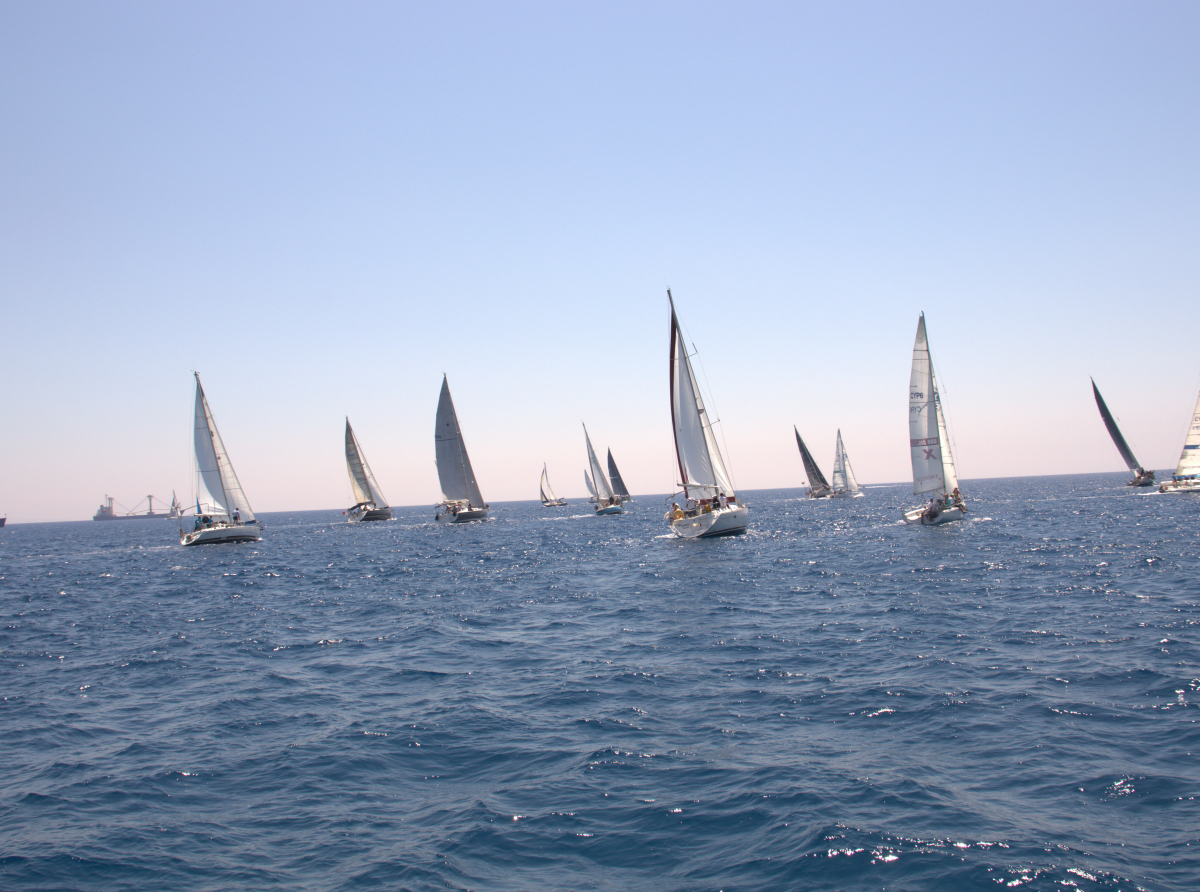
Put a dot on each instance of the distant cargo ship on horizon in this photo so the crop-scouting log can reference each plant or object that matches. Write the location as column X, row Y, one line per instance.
column 107, row 512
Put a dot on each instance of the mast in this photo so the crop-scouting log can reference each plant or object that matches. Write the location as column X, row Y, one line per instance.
column 1115, row 432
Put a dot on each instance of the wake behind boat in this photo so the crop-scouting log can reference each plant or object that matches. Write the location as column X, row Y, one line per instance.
column 549, row 500
column 461, row 499
column 607, row 502
column 370, row 503
column 932, row 461
column 818, row 486
column 1141, row 477
column 1187, row 472
column 711, row 507
column 223, row 512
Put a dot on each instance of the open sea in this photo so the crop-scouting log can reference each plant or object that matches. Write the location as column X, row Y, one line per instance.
column 557, row 701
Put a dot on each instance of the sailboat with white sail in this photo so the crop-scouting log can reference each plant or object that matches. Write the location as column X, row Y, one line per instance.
column 711, row 504
column 606, row 500
column 223, row 512
column 549, row 500
column 932, row 460
column 369, row 500
column 618, row 484
column 591, row 488
column 818, row 486
column 844, row 485
column 461, row 499
column 1187, row 472
column 1141, row 477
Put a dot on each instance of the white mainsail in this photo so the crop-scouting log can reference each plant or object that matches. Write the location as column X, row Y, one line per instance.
column 362, row 481
column 1189, row 459
column 455, row 475
column 926, row 424
column 603, row 490
column 217, row 489
column 544, row 487
column 843, row 474
column 700, row 463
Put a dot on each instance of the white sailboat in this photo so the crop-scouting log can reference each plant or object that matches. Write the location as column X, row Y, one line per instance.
column 844, row 485
column 370, row 503
column 607, row 502
column 818, row 486
column 932, row 461
column 223, row 512
column 549, row 500
column 461, row 499
column 712, row 507
column 1187, row 472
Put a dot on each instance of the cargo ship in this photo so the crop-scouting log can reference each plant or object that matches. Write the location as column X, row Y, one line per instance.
column 108, row 512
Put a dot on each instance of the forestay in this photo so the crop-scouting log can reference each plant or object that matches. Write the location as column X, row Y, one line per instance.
column 455, row 475
column 218, row 490
column 362, row 481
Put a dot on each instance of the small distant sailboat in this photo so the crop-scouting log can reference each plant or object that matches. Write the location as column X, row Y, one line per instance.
column 818, row 486
column 932, row 461
column 461, row 499
column 222, row 509
column 712, row 505
column 618, row 485
column 1187, row 473
column 844, row 484
column 607, row 501
column 370, row 503
column 549, row 500
column 1141, row 477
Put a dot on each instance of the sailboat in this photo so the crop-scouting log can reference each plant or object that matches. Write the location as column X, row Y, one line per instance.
column 461, row 499
column 223, row 512
column 549, row 500
column 844, row 484
column 712, row 507
column 818, row 486
column 1187, row 473
column 587, row 481
column 607, row 501
column 932, row 461
column 370, row 503
column 618, row 485
column 1141, row 477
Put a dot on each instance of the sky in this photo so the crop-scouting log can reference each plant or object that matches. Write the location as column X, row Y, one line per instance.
column 322, row 208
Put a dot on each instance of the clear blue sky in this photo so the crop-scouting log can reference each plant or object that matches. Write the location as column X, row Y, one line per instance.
column 323, row 207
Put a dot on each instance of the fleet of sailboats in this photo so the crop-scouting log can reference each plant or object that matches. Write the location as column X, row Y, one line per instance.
column 711, row 505
column 549, row 500
column 369, row 502
column 932, row 462
column 461, row 499
column 607, row 501
column 1141, row 477
column 1187, row 472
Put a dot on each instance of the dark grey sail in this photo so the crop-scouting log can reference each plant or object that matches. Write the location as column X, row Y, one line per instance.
column 1115, row 433
column 816, row 479
column 614, row 476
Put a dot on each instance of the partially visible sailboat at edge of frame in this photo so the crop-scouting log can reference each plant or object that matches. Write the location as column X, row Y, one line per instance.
column 1187, row 472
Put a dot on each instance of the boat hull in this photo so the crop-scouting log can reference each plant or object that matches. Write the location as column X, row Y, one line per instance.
column 373, row 514
column 846, row 495
column 1180, row 486
column 1146, row 479
column 917, row 517
column 557, row 503
column 610, row 509
column 722, row 522
column 465, row 516
column 222, row 533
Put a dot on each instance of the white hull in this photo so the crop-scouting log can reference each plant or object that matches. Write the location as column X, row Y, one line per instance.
column 215, row 535
column 917, row 516
column 610, row 509
column 846, row 495
column 466, row 515
column 1180, row 486
column 722, row 522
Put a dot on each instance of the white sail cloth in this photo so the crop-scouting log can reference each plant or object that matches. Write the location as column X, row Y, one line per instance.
column 362, row 481
column 700, row 463
column 455, row 474
column 843, row 474
column 1189, row 459
column 932, row 463
column 546, row 491
column 603, row 489
column 217, row 488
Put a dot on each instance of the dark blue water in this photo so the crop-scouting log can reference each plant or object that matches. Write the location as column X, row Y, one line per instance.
column 553, row 700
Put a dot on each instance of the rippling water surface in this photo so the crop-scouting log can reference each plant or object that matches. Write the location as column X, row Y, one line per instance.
column 553, row 700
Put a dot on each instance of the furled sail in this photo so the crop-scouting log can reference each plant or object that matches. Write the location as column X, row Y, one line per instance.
column 1115, row 432
column 843, row 474
column 603, row 491
column 926, row 425
column 1189, row 459
column 362, row 481
column 455, row 475
column 614, row 477
column 816, row 479
column 700, row 464
column 218, row 490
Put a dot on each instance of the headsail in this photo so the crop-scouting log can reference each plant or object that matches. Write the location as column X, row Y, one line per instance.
column 816, row 480
column 362, row 481
column 218, row 489
column 455, row 474
column 1115, row 432
column 614, row 477
column 843, row 474
column 1189, row 459
column 925, row 422
column 604, row 491
column 700, row 464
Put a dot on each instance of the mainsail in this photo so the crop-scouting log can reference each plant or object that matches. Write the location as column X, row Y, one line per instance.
column 362, row 481
column 217, row 489
column 1189, row 459
column 454, row 467
column 547, row 493
column 700, row 464
column 816, row 480
column 1115, row 432
column 932, row 463
column 614, row 477
column 843, row 474
column 604, row 491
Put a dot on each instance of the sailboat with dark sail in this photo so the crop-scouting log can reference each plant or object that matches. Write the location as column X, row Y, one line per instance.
column 818, row 486
column 607, row 501
column 1141, row 477
column 370, row 503
column 618, row 485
